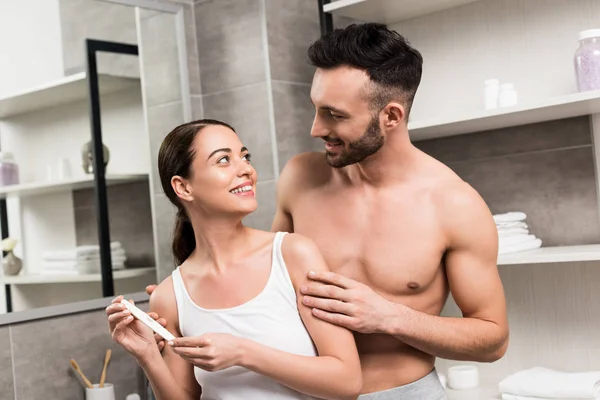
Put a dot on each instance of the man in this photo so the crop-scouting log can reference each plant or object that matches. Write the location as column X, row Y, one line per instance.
column 398, row 229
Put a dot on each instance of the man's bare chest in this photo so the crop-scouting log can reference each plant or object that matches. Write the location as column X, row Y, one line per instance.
column 396, row 247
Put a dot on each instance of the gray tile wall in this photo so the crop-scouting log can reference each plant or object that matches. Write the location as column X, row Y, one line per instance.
column 35, row 356
column 84, row 19
column 254, row 75
column 545, row 170
column 164, row 104
column 130, row 220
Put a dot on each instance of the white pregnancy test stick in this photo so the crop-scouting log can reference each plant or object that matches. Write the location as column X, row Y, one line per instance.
column 146, row 319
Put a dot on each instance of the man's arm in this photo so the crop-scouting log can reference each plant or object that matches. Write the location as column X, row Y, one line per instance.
column 289, row 182
column 482, row 334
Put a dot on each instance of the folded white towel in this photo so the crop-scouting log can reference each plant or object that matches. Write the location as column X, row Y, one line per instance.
column 513, row 216
column 515, row 239
column 510, row 225
column 78, row 252
column 508, row 232
column 552, row 384
column 515, row 248
column 508, row 396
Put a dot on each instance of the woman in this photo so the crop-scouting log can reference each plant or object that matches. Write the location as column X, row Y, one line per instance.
column 235, row 297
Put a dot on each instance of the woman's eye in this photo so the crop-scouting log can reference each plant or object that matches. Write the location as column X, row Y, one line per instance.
column 223, row 160
column 247, row 157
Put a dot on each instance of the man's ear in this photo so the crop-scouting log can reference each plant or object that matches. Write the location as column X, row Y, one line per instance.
column 394, row 115
column 181, row 188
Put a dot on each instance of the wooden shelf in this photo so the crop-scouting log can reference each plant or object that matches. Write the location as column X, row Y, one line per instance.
column 76, row 278
column 552, row 255
column 560, row 107
column 63, row 91
column 37, row 188
column 389, row 11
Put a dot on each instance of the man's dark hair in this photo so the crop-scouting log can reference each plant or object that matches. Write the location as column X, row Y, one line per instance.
column 393, row 66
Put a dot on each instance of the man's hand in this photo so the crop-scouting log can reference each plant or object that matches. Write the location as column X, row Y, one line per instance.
column 150, row 289
column 159, row 340
column 346, row 302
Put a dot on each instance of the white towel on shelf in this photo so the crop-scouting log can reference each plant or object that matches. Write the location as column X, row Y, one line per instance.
column 523, row 246
column 547, row 383
column 508, row 396
column 508, row 232
column 515, row 239
column 77, row 267
column 80, row 252
column 513, row 216
column 510, row 225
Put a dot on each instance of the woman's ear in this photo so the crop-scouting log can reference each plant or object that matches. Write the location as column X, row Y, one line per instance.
column 181, row 188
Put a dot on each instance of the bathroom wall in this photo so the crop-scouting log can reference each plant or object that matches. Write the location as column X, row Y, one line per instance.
column 164, row 109
column 547, row 171
column 39, row 44
column 34, row 358
column 87, row 19
column 529, row 43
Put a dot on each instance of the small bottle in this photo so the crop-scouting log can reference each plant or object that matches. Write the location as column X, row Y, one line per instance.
column 9, row 170
column 507, row 96
column 587, row 60
column 490, row 94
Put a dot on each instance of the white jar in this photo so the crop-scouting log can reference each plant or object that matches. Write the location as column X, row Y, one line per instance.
column 507, row 95
column 490, row 94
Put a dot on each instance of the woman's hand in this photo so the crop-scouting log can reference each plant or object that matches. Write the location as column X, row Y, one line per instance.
column 211, row 351
column 132, row 334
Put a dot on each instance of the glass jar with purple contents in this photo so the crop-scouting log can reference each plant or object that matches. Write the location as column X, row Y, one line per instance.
column 9, row 170
column 587, row 60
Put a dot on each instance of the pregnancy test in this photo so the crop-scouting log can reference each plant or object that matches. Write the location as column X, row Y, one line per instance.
column 148, row 321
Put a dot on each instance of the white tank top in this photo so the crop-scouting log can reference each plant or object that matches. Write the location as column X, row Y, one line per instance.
column 270, row 318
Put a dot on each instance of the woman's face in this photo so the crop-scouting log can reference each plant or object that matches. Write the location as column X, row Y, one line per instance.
column 222, row 180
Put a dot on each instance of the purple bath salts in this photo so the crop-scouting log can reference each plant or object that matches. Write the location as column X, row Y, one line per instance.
column 9, row 170
column 587, row 60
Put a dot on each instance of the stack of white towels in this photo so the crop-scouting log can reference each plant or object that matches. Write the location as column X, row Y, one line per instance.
column 541, row 383
column 513, row 233
column 81, row 260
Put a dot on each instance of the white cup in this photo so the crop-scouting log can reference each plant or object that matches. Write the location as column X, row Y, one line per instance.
column 64, row 169
column 100, row 393
column 461, row 377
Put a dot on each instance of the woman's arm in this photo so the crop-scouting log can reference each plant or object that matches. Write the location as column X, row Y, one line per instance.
column 335, row 373
column 171, row 377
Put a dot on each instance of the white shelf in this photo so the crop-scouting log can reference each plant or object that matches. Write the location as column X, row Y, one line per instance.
column 46, row 279
column 63, row 91
column 36, row 188
column 389, row 11
column 560, row 107
column 552, row 255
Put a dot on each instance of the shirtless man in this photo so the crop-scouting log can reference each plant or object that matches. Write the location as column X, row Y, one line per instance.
column 399, row 229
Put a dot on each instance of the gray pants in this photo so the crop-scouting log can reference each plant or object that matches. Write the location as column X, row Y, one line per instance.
column 427, row 388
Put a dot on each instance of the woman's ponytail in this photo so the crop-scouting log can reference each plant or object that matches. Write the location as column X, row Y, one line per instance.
column 184, row 240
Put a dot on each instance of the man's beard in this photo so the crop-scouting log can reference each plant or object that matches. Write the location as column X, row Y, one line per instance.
column 357, row 151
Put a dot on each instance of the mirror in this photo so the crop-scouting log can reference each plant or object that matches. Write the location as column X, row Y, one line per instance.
column 56, row 213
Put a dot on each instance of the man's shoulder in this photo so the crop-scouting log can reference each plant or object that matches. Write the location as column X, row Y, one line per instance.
column 306, row 169
column 459, row 206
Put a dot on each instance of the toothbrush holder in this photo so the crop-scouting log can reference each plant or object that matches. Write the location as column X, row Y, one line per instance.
column 100, row 393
